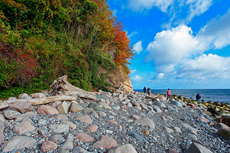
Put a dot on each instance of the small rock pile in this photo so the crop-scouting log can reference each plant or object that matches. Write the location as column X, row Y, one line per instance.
column 113, row 123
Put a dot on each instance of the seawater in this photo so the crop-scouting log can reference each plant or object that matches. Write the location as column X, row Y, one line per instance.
column 214, row 95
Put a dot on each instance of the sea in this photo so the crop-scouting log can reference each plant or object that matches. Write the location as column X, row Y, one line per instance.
column 214, row 95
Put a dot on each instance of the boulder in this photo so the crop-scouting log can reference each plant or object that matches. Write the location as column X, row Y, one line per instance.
column 225, row 133
column 197, row 148
column 63, row 108
column 23, row 107
column 105, row 142
column 45, row 109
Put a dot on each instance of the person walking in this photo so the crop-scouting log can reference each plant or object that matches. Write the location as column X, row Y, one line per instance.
column 168, row 94
column 144, row 89
column 149, row 91
column 198, row 97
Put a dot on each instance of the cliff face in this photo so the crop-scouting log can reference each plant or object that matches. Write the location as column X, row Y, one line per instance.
column 120, row 79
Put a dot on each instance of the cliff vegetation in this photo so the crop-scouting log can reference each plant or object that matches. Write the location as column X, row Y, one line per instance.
column 41, row 40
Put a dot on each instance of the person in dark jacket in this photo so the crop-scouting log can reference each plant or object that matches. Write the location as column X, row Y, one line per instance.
column 198, row 97
column 149, row 90
column 144, row 89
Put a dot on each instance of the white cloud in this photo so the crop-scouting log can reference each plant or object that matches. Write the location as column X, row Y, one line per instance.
column 204, row 67
column 136, row 78
column 132, row 34
column 197, row 7
column 177, row 47
column 217, row 32
column 138, row 47
column 171, row 46
column 139, row 5
column 133, row 71
column 159, row 76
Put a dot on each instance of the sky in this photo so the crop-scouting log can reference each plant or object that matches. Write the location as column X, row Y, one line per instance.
column 179, row 44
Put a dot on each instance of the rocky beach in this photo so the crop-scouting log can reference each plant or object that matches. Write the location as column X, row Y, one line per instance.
column 102, row 122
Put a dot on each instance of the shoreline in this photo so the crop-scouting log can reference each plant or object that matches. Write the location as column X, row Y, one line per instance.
column 132, row 121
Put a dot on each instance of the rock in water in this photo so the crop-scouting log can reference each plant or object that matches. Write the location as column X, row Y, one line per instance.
column 18, row 142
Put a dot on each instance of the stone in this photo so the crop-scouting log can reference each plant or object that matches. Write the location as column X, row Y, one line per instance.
column 68, row 145
column 157, row 103
column 63, row 108
column 192, row 136
column 168, row 130
column 10, row 114
column 224, row 119
column 221, row 126
column 137, row 136
column 26, row 115
column 176, row 103
column 225, row 133
column 84, row 119
column 197, row 148
column 190, row 128
column 138, row 108
column 44, row 132
column 2, row 118
column 94, row 114
column 75, row 108
column 126, row 148
column 157, row 109
column 88, row 110
column 37, row 95
column 135, row 117
column 45, row 109
column 1, row 132
column 59, row 128
column 116, row 107
column 112, row 122
column 102, row 114
column 92, row 128
column 18, row 142
column 71, row 124
column 146, row 122
column 23, row 107
column 84, row 137
column 191, row 105
column 129, row 105
column 24, row 96
column 79, row 150
column 3, row 105
column 176, row 129
column 94, row 106
column 172, row 151
column 146, row 132
column 56, row 137
column 135, row 103
column 62, row 117
column 48, row 146
column 202, row 119
column 171, row 109
column 55, row 104
column 120, row 127
column 23, row 127
column 123, row 106
column 105, row 142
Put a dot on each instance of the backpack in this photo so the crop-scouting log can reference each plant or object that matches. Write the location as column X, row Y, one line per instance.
column 198, row 97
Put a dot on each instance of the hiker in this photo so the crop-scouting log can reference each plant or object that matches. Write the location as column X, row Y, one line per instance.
column 149, row 90
column 198, row 98
column 168, row 94
column 144, row 89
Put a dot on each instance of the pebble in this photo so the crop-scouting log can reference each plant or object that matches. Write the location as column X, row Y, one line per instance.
column 105, row 142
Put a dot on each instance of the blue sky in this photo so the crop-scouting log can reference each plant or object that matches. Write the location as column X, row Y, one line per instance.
column 179, row 44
